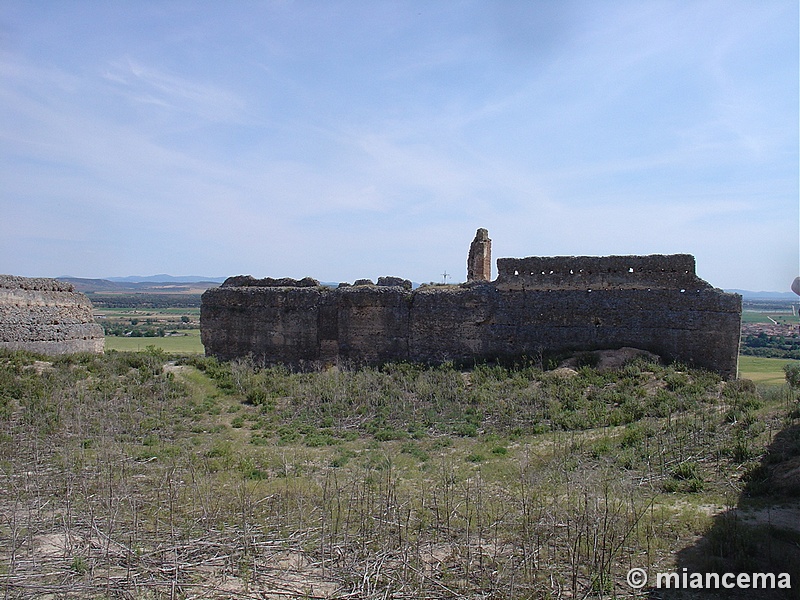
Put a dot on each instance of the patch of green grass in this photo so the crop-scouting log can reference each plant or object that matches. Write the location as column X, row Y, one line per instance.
column 186, row 342
column 754, row 316
column 766, row 371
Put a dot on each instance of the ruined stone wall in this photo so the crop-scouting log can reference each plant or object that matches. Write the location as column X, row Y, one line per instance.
column 700, row 328
column 676, row 271
column 660, row 306
column 46, row 316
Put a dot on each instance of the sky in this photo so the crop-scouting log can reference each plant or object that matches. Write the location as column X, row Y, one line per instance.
column 345, row 140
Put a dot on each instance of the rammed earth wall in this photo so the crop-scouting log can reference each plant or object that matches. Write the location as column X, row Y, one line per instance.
column 46, row 316
column 535, row 306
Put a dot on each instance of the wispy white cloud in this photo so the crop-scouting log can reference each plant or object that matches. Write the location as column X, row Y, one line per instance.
column 359, row 140
column 140, row 83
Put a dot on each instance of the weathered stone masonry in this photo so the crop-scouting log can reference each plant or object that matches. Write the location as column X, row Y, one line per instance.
column 537, row 305
column 479, row 260
column 46, row 316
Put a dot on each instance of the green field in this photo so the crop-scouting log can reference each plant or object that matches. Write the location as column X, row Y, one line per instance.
column 755, row 316
column 767, row 371
column 126, row 313
column 186, row 342
column 175, row 330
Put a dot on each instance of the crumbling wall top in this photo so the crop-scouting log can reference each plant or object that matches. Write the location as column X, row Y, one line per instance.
column 656, row 271
column 394, row 282
column 34, row 284
column 250, row 281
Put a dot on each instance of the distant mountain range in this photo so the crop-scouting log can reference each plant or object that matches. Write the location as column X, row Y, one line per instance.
column 748, row 295
column 170, row 284
column 156, row 284
column 165, row 279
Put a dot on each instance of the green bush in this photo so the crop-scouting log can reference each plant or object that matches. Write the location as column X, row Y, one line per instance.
column 792, row 371
column 685, row 470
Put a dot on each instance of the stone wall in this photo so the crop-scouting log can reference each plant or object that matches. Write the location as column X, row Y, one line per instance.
column 536, row 306
column 676, row 271
column 46, row 316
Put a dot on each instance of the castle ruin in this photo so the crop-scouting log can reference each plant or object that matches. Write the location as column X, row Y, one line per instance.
column 536, row 306
column 46, row 316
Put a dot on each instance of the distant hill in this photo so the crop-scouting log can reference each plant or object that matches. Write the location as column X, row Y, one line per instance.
column 170, row 284
column 748, row 295
column 165, row 279
column 121, row 285
column 92, row 285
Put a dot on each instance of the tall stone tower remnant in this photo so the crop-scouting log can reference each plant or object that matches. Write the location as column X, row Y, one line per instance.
column 479, row 261
column 46, row 316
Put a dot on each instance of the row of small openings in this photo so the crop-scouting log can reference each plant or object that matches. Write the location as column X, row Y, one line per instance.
column 582, row 272
column 683, row 291
column 589, row 290
column 571, row 272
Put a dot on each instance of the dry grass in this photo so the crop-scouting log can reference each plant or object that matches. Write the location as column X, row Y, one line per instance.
column 128, row 476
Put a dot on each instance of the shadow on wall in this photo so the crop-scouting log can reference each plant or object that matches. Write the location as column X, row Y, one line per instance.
column 760, row 535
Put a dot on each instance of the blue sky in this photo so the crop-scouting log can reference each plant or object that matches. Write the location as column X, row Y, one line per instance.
column 342, row 140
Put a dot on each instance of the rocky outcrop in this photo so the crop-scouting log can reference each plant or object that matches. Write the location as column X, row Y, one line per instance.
column 46, row 316
column 537, row 306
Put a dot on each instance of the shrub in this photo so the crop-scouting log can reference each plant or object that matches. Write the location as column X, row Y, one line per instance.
column 685, row 470
column 389, row 433
column 792, row 371
column 695, row 485
column 587, row 359
column 465, row 430
column 738, row 386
